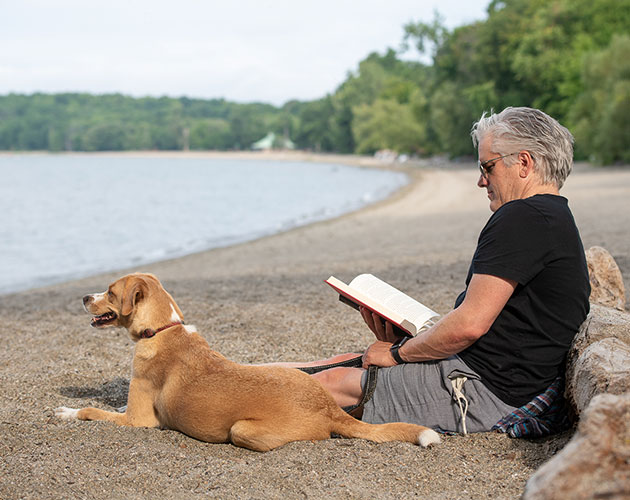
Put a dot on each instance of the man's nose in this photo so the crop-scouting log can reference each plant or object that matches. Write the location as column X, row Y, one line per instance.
column 482, row 181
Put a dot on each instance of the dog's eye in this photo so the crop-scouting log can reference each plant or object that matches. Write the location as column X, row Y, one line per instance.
column 110, row 295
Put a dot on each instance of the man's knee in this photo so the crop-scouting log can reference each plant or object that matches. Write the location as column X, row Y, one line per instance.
column 343, row 383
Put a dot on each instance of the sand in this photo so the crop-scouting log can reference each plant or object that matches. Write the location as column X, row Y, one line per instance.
column 265, row 301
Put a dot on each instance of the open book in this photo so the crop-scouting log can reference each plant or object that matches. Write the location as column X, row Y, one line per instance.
column 391, row 304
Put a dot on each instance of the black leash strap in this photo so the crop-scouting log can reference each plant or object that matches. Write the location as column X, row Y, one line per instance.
column 350, row 363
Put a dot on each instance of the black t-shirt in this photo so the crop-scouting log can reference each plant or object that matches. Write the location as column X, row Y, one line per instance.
column 535, row 242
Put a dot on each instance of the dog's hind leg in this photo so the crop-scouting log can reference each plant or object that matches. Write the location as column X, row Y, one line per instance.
column 257, row 435
column 265, row 435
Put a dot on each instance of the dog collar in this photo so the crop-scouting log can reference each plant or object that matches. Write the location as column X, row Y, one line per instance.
column 148, row 333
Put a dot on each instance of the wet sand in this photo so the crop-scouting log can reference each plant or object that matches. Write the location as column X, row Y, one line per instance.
column 265, row 301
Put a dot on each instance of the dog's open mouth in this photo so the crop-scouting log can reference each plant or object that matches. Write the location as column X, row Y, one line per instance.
column 103, row 319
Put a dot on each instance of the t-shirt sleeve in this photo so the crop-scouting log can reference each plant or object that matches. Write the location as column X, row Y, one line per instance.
column 512, row 245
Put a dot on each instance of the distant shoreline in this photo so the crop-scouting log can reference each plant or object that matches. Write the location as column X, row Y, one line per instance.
column 353, row 160
column 275, row 155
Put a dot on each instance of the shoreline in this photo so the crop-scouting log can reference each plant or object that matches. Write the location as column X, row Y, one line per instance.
column 276, row 156
column 265, row 301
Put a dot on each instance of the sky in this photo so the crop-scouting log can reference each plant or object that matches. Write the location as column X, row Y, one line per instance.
column 239, row 50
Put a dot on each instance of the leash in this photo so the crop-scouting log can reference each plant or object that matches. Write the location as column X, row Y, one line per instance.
column 355, row 362
column 148, row 333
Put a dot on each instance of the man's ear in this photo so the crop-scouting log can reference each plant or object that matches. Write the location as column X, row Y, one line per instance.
column 134, row 292
column 525, row 164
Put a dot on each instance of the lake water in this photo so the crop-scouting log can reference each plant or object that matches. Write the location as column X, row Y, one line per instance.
column 64, row 217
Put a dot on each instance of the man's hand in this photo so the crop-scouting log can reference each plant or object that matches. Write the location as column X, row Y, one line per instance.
column 379, row 354
column 382, row 330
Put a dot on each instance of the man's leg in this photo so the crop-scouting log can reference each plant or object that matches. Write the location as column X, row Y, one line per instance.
column 343, row 383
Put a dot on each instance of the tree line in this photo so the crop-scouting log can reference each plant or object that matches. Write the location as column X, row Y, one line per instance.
column 570, row 58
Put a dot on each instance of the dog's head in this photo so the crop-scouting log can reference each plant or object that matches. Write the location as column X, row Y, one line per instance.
column 137, row 302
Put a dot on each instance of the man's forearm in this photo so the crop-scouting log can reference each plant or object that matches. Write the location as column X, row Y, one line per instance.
column 486, row 297
column 452, row 334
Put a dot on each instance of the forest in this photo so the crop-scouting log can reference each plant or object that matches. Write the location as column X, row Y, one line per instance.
column 570, row 58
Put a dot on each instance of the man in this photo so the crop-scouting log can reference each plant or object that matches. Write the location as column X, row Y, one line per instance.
column 526, row 295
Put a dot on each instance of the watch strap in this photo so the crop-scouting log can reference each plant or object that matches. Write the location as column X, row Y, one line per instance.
column 394, row 350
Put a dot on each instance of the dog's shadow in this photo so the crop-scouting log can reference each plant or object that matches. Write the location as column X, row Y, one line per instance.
column 113, row 393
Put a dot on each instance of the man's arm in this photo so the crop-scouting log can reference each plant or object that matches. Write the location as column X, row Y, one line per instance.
column 485, row 299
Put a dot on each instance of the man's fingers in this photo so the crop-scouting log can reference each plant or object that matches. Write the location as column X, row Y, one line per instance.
column 389, row 332
column 379, row 326
column 367, row 317
column 378, row 354
column 383, row 330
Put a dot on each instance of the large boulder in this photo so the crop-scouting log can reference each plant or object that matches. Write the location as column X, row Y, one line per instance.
column 603, row 367
column 602, row 322
column 596, row 462
column 599, row 359
column 606, row 281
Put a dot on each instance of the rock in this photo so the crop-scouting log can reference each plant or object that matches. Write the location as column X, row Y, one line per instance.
column 602, row 322
column 596, row 462
column 589, row 370
column 606, row 282
column 603, row 367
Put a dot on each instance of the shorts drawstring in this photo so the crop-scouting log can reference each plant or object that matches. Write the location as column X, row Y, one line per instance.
column 458, row 384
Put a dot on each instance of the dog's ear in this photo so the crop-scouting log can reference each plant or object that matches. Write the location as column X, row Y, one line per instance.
column 135, row 290
column 177, row 309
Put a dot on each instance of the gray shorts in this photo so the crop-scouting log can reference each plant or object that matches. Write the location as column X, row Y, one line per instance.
column 422, row 393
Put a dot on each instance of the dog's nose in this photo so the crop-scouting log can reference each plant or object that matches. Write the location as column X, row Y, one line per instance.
column 86, row 299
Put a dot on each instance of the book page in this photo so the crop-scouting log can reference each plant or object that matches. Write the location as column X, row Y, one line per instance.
column 355, row 298
column 394, row 299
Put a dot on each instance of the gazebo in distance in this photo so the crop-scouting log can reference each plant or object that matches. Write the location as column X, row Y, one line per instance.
column 273, row 141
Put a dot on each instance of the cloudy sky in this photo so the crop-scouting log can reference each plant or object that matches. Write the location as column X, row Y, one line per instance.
column 241, row 50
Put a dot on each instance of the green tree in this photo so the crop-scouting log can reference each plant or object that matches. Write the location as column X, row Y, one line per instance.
column 314, row 130
column 386, row 124
column 602, row 112
column 451, row 119
column 549, row 54
column 247, row 125
column 211, row 133
column 108, row 136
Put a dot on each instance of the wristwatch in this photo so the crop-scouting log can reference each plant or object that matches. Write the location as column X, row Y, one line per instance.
column 394, row 350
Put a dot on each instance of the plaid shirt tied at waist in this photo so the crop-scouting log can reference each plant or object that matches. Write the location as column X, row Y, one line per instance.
column 545, row 414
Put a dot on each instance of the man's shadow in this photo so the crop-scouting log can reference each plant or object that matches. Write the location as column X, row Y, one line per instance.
column 113, row 393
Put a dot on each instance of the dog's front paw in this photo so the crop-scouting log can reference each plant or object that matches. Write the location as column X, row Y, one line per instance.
column 66, row 413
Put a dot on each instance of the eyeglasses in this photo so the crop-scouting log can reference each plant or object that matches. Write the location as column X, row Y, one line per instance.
column 485, row 170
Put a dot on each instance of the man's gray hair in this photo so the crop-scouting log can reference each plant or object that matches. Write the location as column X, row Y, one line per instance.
column 518, row 129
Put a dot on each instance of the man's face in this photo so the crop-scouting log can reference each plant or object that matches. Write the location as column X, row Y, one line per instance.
column 501, row 182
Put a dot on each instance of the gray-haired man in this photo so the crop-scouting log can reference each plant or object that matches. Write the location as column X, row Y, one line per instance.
column 526, row 294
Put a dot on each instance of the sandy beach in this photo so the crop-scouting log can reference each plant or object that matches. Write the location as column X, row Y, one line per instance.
column 266, row 301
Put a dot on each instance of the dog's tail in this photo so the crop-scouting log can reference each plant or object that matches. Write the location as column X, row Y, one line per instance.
column 350, row 427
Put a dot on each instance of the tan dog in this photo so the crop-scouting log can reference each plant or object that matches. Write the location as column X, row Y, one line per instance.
column 178, row 382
